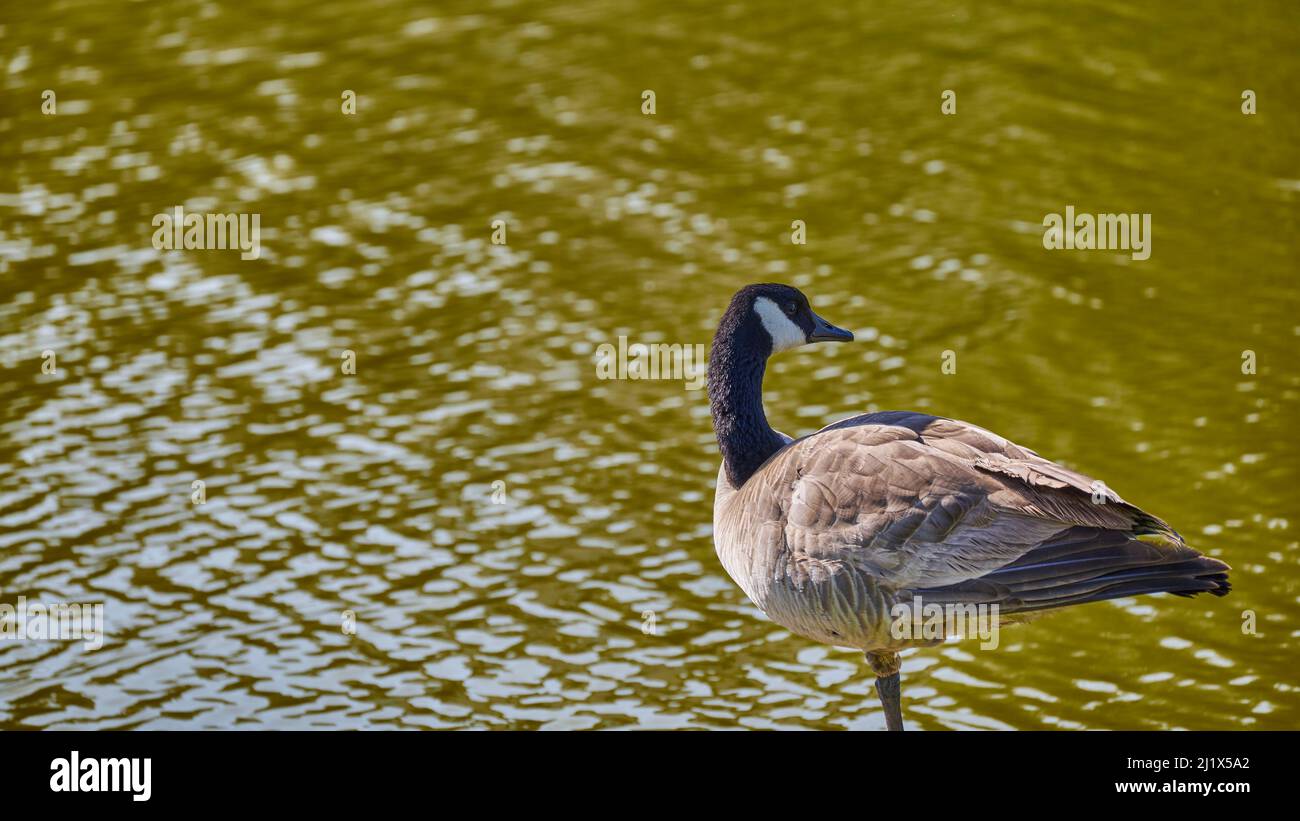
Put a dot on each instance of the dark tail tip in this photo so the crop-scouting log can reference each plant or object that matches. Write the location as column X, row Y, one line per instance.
column 1208, row 575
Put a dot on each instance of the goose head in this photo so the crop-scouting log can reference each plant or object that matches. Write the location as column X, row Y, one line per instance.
column 760, row 321
column 769, row 318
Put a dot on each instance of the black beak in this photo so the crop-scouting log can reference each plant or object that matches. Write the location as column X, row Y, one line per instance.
column 824, row 331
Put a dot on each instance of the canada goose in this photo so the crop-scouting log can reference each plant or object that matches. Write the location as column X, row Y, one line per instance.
column 829, row 533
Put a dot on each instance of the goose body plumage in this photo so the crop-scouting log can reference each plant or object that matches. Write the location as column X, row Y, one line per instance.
column 838, row 527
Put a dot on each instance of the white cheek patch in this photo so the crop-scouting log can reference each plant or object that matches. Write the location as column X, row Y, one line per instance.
column 785, row 334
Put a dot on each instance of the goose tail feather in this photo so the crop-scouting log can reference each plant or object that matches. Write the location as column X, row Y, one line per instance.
column 1088, row 565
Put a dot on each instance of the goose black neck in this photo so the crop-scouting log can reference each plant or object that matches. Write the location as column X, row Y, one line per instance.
column 737, row 362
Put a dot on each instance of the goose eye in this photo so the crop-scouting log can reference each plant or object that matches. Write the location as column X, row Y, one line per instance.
column 791, row 309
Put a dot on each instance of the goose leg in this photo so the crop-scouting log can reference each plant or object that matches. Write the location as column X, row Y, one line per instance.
column 889, row 687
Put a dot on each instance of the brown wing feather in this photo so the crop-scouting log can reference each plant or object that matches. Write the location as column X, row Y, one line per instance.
column 922, row 501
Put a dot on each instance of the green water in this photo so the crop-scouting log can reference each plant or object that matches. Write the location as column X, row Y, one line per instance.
column 374, row 492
